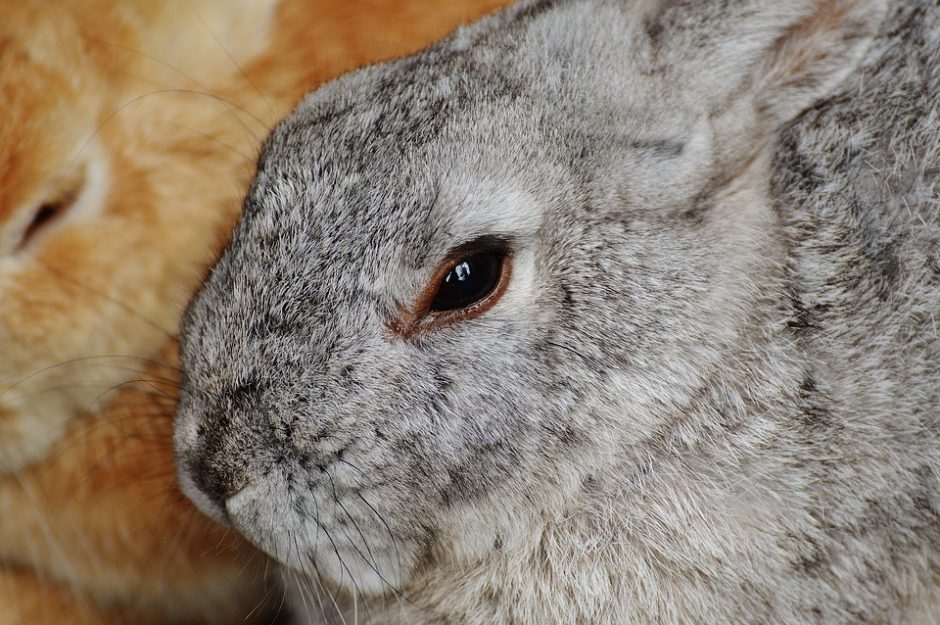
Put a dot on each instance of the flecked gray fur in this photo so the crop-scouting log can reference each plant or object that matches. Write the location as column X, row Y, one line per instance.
column 711, row 392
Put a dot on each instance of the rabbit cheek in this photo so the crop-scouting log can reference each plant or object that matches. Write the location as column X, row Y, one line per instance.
column 315, row 503
column 303, row 515
column 335, row 540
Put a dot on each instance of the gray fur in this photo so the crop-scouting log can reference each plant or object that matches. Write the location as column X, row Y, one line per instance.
column 711, row 392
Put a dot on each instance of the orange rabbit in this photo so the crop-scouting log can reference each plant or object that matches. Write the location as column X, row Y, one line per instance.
column 128, row 131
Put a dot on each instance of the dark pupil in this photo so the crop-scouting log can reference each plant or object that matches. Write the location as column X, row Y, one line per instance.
column 469, row 281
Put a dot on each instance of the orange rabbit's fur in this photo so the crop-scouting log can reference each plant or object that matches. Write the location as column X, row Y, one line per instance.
column 135, row 123
column 104, row 518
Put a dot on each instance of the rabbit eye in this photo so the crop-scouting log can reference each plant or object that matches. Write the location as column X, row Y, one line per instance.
column 46, row 213
column 468, row 281
column 461, row 289
column 50, row 210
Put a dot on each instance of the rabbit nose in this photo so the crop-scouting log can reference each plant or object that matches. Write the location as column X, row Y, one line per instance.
column 216, row 482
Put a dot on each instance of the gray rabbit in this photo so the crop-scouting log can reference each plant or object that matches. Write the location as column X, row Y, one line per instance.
column 597, row 312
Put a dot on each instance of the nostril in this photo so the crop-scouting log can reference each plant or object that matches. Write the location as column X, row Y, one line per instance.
column 200, row 496
column 209, row 487
column 215, row 483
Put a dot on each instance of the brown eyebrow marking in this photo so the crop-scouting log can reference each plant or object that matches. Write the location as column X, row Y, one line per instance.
column 411, row 320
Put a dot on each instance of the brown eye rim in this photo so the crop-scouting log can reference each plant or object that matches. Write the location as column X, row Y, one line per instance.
column 421, row 317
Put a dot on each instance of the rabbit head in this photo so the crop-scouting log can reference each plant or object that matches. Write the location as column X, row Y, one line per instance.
column 467, row 281
column 105, row 110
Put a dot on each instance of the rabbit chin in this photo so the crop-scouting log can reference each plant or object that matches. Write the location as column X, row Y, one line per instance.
column 357, row 557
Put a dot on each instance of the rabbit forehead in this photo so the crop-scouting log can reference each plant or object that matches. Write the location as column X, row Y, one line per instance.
column 384, row 147
column 473, row 206
column 355, row 182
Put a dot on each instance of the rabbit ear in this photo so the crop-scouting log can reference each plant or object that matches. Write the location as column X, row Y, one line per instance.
column 814, row 55
column 782, row 55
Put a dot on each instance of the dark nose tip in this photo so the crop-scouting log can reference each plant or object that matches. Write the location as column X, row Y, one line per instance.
column 216, row 482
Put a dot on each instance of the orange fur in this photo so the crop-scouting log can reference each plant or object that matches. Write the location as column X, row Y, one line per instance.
column 102, row 518
column 160, row 108
column 27, row 599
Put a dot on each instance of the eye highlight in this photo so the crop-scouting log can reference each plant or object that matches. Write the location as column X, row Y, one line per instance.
column 467, row 284
column 469, row 281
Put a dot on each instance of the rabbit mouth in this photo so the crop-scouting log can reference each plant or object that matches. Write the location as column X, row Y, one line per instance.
column 322, row 536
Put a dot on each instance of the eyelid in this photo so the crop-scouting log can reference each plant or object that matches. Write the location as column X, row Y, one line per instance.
column 411, row 320
column 498, row 244
column 64, row 196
